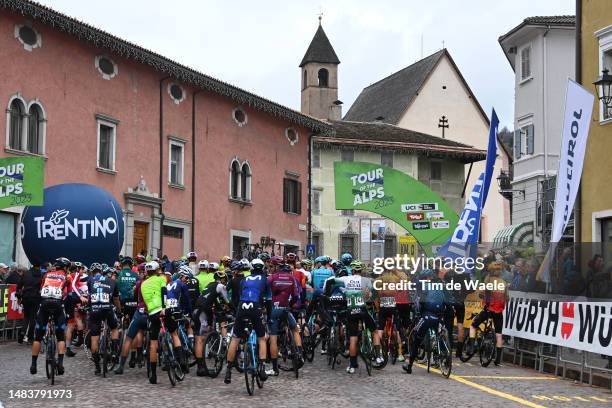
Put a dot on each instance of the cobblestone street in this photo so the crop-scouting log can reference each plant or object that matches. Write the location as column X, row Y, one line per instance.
column 470, row 385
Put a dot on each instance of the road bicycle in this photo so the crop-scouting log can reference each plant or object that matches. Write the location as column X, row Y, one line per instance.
column 168, row 360
column 107, row 354
column 389, row 342
column 287, row 349
column 437, row 347
column 335, row 338
column 50, row 342
column 215, row 349
column 186, row 342
column 484, row 343
column 250, row 366
column 366, row 348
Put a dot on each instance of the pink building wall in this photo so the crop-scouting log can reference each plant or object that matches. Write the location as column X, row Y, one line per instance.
column 62, row 75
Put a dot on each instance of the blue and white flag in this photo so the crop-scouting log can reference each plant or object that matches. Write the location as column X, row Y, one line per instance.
column 464, row 241
column 491, row 155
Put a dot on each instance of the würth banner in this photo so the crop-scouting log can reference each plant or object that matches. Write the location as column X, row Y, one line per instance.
column 551, row 319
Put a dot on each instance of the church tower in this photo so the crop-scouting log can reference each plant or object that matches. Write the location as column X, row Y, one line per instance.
column 320, row 79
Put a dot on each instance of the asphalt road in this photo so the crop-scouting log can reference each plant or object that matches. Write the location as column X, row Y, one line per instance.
column 318, row 386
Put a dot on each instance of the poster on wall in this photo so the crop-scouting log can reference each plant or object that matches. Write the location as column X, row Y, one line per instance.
column 393, row 195
column 22, row 180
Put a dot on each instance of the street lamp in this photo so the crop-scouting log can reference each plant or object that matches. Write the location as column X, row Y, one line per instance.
column 603, row 85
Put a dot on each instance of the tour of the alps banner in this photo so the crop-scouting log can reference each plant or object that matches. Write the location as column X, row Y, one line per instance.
column 396, row 196
column 576, row 122
column 559, row 320
column 22, row 180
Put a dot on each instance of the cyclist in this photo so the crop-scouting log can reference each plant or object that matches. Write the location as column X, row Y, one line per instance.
column 178, row 303
column 53, row 292
column 456, row 306
column 213, row 300
column 103, row 293
column 225, row 262
column 235, row 282
column 357, row 291
column 285, row 294
column 81, row 289
column 254, row 294
column 319, row 276
column 388, row 295
column 306, row 267
column 192, row 259
column 72, row 299
column 153, row 290
column 265, row 257
column 494, row 302
column 346, row 260
column 432, row 305
column 204, row 277
column 126, row 281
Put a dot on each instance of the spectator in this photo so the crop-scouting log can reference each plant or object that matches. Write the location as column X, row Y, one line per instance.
column 14, row 275
column 572, row 281
column 3, row 272
column 28, row 292
column 596, row 277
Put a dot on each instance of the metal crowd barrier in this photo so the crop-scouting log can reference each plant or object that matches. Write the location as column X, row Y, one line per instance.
column 9, row 329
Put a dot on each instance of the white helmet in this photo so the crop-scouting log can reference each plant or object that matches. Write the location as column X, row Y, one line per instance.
column 245, row 264
column 257, row 263
column 203, row 264
column 151, row 266
column 214, row 266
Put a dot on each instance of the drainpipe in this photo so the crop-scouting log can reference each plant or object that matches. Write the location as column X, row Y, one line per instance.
column 544, row 102
column 578, row 74
column 193, row 166
column 161, row 165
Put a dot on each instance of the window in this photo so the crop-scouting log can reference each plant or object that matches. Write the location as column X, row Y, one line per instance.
column 317, row 241
column 606, row 63
column 348, row 213
column 523, row 141
column 28, row 36
column 106, row 145
column 16, row 116
column 347, row 243
column 36, row 127
column 305, row 80
column 606, row 241
column 176, row 92
column 435, row 170
column 292, row 196
column 316, row 157
column 323, row 78
column 292, row 136
column 175, row 170
column 390, row 246
column 239, row 116
column 316, row 202
column 234, row 179
column 245, row 182
column 526, row 63
column 106, row 66
column 347, row 155
column 386, row 159
column 173, row 232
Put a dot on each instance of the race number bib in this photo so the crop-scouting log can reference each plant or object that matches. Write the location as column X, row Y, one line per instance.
column 100, row 298
column 354, row 301
column 51, row 292
column 387, row 301
column 171, row 303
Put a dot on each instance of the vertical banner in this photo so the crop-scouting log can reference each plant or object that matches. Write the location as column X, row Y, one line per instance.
column 491, row 156
column 576, row 122
column 22, row 180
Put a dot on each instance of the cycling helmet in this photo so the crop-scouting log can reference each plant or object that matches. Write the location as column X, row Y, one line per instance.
column 336, row 265
column 203, row 264
column 104, row 266
column 185, row 271
column 346, row 259
column 95, row 267
column 286, row 268
column 213, row 266
column 226, row 260
column 245, row 265
column 140, row 258
column 235, row 266
column 108, row 270
column 357, row 265
column 126, row 260
column 192, row 256
column 62, row 263
column 291, row 257
column 257, row 264
column 321, row 260
column 77, row 264
column 151, row 266
column 427, row 274
column 277, row 260
column 264, row 256
column 342, row 272
column 306, row 263
column 220, row 275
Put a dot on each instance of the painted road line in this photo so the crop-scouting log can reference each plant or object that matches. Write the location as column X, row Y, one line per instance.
column 502, row 377
column 489, row 390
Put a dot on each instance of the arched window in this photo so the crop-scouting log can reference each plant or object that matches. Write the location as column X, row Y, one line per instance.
column 245, row 182
column 305, row 84
column 15, row 116
column 323, row 78
column 36, row 129
column 234, row 178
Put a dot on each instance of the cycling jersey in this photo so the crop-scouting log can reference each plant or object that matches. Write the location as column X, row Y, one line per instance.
column 151, row 290
column 319, row 276
column 284, row 288
column 356, row 290
column 126, row 280
column 388, row 292
column 255, row 289
column 54, row 286
column 101, row 293
column 177, row 297
column 213, row 293
column 204, row 279
column 433, row 300
column 193, row 286
column 496, row 299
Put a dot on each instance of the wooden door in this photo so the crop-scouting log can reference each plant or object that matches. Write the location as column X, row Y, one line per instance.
column 140, row 240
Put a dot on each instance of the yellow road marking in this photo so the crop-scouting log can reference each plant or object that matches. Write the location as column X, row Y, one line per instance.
column 599, row 399
column 490, row 390
column 501, row 377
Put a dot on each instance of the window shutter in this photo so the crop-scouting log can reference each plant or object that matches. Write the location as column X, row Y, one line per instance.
column 517, row 144
column 285, row 195
column 529, row 139
column 298, row 198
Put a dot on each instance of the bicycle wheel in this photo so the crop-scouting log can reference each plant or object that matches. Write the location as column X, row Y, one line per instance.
column 50, row 363
column 239, row 363
column 384, row 348
column 332, row 348
column 445, row 356
column 250, row 369
column 104, row 352
column 167, row 362
column 465, row 356
column 366, row 351
column 213, row 359
column 394, row 348
column 486, row 351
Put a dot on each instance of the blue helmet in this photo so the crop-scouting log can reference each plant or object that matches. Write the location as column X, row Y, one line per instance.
column 427, row 274
column 321, row 259
column 235, row 266
column 346, row 259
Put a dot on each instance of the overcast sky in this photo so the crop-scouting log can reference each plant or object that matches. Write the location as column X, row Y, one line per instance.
column 257, row 45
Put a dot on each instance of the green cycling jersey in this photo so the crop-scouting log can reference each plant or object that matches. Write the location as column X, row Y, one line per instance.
column 151, row 290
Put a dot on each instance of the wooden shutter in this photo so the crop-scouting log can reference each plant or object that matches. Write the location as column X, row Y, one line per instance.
column 286, row 195
column 517, row 144
column 529, row 131
column 298, row 197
